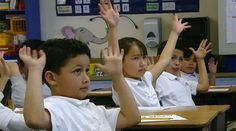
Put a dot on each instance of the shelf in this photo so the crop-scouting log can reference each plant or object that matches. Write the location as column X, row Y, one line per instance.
column 12, row 11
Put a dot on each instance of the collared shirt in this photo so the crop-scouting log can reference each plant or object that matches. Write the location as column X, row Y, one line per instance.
column 193, row 77
column 175, row 91
column 11, row 121
column 68, row 114
column 142, row 90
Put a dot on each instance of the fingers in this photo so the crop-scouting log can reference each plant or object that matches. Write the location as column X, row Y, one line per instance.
column 192, row 50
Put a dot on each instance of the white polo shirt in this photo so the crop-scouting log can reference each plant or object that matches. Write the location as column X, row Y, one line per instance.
column 193, row 77
column 175, row 91
column 11, row 121
column 68, row 114
column 143, row 91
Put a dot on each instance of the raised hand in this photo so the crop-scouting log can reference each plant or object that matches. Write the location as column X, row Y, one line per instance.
column 178, row 26
column 212, row 65
column 34, row 59
column 109, row 14
column 202, row 50
column 112, row 62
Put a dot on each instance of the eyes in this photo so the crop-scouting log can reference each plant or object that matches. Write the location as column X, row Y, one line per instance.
column 139, row 57
column 78, row 71
column 190, row 59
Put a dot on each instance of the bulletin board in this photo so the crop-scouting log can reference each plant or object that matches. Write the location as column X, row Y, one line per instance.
column 90, row 7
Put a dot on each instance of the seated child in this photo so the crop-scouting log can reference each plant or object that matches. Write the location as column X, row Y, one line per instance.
column 135, row 65
column 9, row 120
column 18, row 75
column 174, row 90
column 64, row 65
column 189, row 65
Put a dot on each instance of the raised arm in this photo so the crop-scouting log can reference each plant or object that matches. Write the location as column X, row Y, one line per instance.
column 200, row 54
column 129, row 113
column 35, row 115
column 212, row 66
column 166, row 54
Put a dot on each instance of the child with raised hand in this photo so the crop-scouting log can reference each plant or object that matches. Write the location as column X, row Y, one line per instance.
column 64, row 67
column 135, row 61
column 189, row 66
column 9, row 120
column 19, row 74
column 175, row 90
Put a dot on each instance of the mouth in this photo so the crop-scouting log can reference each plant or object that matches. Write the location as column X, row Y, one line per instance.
column 84, row 89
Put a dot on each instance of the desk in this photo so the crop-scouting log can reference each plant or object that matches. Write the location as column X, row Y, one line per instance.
column 219, row 98
column 199, row 118
column 101, row 97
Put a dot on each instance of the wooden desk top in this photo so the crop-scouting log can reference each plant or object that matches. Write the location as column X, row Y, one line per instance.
column 100, row 93
column 221, row 90
column 197, row 117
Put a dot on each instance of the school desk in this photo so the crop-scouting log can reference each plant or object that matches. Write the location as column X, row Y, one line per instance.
column 101, row 97
column 222, row 95
column 199, row 118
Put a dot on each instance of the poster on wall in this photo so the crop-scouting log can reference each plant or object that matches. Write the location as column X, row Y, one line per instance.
column 90, row 7
column 230, row 21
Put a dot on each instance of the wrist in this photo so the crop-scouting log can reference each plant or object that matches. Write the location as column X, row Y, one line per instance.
column 175, row 32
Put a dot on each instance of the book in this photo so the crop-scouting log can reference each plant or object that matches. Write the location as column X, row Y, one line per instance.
column 159, row 118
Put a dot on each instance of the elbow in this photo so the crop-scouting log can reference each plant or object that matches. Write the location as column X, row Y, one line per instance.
column 204, row 88
column 136, row 118
column 34, row 123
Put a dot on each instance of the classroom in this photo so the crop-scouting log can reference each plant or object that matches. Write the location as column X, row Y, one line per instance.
column 150, row 22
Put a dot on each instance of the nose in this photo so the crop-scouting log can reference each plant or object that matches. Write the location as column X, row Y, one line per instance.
column 143, row 61
column 86, row 78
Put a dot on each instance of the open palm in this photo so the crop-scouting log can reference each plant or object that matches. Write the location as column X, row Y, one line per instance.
column 110, row 15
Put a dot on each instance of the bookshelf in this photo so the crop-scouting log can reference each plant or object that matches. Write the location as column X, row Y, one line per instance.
column 32, row 17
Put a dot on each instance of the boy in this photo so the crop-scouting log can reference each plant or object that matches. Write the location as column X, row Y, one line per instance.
column 9, row 120
column 65, row 72
column 18, row 75
column 176, row 91
column 189, row 65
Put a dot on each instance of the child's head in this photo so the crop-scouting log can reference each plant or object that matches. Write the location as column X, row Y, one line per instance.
column 135, row 57
column 177, row 57
column 66, row 67
column 34, row 44
column 189, row 63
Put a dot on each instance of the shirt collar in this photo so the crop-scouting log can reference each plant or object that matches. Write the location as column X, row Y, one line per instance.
column 169, row 76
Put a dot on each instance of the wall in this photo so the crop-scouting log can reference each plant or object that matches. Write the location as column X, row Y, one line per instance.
column 51, row 24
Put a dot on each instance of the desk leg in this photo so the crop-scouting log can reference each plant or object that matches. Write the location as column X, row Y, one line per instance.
column 219, row 123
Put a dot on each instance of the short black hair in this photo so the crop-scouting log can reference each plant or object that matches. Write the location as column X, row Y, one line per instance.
column 127, row 42
column 59, row 51
column 34, row 44
column 179, row 46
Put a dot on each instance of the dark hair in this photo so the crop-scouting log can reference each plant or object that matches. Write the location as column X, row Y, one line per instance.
column 34, row 44
column 127, row 42
column 194, row 43
column 59, row 51
column 179, row 46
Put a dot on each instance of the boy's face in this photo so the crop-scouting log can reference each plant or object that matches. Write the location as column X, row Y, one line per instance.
column 188, row 65
column 73, row 80
column 175, row 63
column 134, row 64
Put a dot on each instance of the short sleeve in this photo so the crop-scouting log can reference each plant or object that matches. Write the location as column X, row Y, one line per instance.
column 111, row 115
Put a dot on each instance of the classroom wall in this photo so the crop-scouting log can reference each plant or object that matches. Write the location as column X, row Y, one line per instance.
column 51, row 24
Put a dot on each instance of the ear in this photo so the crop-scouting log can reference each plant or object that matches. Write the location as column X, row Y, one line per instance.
column 50, row 78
